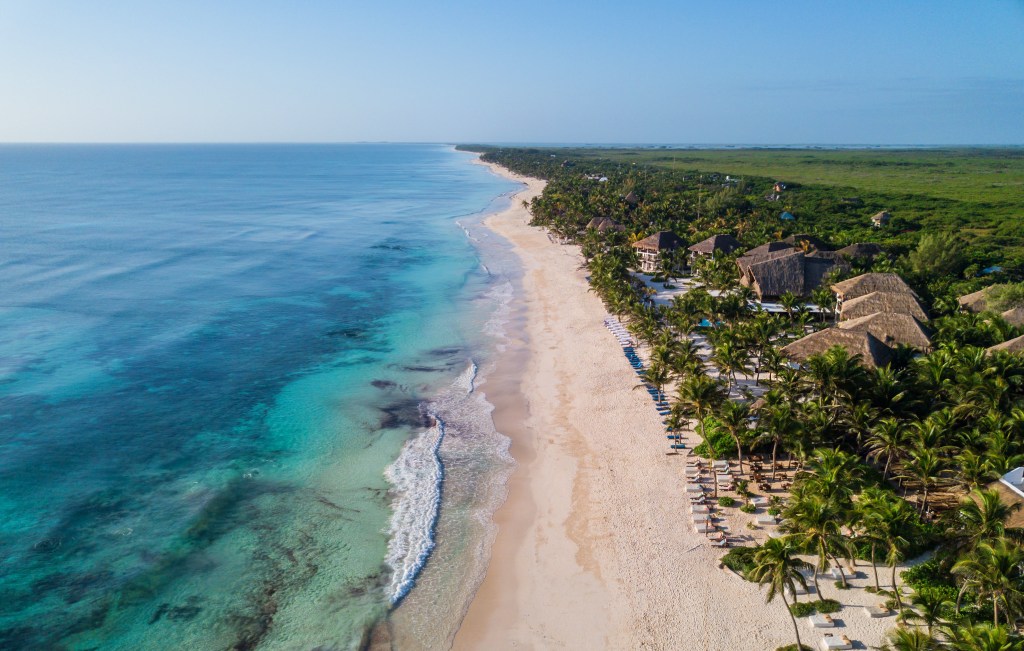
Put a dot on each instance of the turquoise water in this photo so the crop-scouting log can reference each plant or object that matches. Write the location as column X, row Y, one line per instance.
column 210, row 356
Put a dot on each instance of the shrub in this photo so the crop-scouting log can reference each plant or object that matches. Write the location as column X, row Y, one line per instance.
column 840, row 586
column 774, row 510
column 748, row 508
column 929, row 574
column 802, row 609
column 719, row 438
column 740, row 559
column 726, row 501
column 828, row 606
column 792, row 647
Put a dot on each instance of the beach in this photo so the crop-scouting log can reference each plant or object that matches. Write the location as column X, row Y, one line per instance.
column 595, row 548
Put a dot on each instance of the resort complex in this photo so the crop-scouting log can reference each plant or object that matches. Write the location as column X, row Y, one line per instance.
column 847, row 435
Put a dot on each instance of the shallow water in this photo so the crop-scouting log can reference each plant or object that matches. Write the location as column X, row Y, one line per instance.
column 209, row 355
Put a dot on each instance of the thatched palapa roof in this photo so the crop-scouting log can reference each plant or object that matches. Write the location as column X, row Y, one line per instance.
column 892, row 329
column 1014, row 316
column 977, row 301
column 857, row 342
column 631, row 198
column 1009, row 497
column 790, row 270
column 1014, row 345
column 661, row 241
column 894, row 302
column 604, row 224
column 861, row 250
column 717, row 243
column 871, row 282
column 805, row 241
column 770, row 247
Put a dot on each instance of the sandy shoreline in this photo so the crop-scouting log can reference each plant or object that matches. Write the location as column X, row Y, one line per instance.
column 594, row 547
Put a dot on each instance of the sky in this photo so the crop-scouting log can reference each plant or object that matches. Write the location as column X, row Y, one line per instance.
column 659, row 72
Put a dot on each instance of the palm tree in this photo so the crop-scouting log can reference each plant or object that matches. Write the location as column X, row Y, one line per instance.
column 909, row 639
column 983, row 637
column 699, row 395
column 777, row 566
column 888, row 439
column 735, row 418
column 657, row 375
column 927, row 468
column 872, row 506
column 816, row 525
column 930, row 607
column 789, row 301
column 994, row 572
column 982, row 518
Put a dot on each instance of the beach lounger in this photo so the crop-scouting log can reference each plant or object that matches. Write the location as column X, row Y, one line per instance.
column 836, row 642
column 703, row 527
column 678, row 446
column 874, row 612
column 721, row 542
column 694, row 488
column 821, row 621
column 699, row 508
column 766, row 519
column 721, row 465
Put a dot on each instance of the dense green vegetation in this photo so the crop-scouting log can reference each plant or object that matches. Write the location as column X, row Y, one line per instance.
column 976, row 194
column 893, row 461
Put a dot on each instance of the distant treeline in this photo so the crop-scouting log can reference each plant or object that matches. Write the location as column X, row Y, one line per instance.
column 969, row 202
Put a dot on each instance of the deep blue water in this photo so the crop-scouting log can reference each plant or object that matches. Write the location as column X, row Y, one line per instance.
column 208, row 356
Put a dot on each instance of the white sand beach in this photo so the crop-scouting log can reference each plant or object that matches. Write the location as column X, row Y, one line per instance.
column 596, row 548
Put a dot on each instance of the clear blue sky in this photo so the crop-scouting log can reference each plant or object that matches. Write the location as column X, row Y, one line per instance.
column 861, row 71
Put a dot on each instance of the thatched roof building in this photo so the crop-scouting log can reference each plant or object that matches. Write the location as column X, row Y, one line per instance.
column 892, row 330
column 1009, row 497
column 1014, row 316
column 724, row 244
column 806, row 242
column 880, row 219
column 766, row 249
column 977, row 301
column 649, row 248
column 631, row 198
column 861, row 250
column 873, row 353
column 776, row 273
column 604, row 224
column 1014, row 345
column 893, row 302
column 870, row 282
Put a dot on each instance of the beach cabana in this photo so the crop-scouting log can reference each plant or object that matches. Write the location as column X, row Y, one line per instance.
column 650, row 248
column 891, row 302
column 873, row 353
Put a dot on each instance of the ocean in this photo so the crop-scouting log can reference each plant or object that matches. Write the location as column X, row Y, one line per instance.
column 239, row 394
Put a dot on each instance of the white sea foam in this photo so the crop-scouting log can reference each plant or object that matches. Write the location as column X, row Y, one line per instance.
column 417, row 479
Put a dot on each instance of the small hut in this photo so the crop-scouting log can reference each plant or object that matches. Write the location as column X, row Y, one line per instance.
column 892, row 329
column 631, row 198
column 886, row 302
column 873, row 353
column 789, row 270
column 880, row 219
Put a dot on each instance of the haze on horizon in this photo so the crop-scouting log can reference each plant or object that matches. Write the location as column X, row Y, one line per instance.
column 869, row 72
